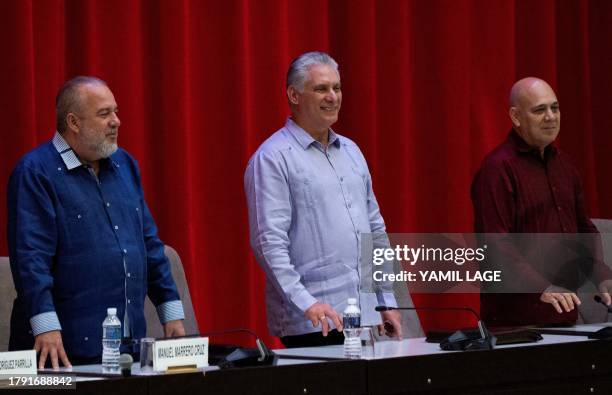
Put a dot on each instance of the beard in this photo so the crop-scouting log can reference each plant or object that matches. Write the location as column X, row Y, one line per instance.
column 97, row 143
column 104, row 149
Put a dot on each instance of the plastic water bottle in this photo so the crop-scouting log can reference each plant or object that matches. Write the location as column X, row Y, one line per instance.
column 111, row 341
column 351, row 325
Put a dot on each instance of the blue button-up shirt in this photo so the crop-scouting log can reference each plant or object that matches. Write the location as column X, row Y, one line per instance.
column 79, row 243
column 308, row 208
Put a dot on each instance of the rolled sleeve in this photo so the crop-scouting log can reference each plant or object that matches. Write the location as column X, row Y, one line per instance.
column 170, row 311
column 45, row 322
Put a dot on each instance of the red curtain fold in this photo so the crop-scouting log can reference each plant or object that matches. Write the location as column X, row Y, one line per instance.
column 200, row 84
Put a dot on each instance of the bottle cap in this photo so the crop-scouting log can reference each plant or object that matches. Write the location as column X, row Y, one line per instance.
column 111, row 311
column 351, row 301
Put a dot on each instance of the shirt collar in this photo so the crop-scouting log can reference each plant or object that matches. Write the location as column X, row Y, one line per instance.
column 71, row 160
column 521, row 146
column 305, row 139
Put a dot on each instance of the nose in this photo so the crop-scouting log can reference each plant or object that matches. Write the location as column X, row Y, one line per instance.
column 331, row 96
column 549, row 114
column 115, row 121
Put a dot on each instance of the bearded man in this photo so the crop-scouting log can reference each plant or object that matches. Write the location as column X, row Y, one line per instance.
column 81, row 237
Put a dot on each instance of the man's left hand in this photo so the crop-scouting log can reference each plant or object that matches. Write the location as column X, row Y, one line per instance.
column 605, row 288
column 393, row 319
column 174, row 328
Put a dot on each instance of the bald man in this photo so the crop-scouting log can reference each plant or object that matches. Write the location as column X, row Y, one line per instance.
column 527, row 185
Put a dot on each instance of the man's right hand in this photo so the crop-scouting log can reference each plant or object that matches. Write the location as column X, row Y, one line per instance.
column 560, row 298
column 320, row 312
column 49, row 344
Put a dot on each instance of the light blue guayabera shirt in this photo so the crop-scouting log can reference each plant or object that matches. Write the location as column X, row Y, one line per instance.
column 308, row 208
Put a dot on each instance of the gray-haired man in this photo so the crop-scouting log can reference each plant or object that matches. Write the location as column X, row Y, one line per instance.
column 310, row 199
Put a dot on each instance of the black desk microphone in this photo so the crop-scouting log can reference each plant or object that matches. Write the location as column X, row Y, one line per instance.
column 598, row 299
column 458, row 340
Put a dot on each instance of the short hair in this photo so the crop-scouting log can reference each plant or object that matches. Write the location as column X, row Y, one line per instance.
column 298, row 69
column 68, row 98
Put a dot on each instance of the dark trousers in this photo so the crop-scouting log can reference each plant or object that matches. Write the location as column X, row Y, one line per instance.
column 314, row 339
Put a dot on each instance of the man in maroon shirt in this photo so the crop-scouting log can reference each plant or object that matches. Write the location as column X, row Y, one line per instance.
column 527, row 185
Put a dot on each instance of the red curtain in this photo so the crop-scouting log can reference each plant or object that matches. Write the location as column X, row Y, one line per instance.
column 200, row 85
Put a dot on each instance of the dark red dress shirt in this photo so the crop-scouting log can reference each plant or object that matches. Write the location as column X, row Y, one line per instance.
column 517, row 190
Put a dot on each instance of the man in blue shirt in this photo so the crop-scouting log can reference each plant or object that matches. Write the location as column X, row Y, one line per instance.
column 81, row 237
column 310, row 201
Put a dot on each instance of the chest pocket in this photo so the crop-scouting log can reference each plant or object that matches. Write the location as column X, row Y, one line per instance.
column 81, row 227
column 355, row 174
column 300, row 186
column 358, row 179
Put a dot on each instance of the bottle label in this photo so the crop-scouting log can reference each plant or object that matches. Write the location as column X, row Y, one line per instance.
column 351, row 322
column 111, row 332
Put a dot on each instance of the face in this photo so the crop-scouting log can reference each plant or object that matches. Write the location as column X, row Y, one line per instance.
column 98, row 123
column 317, row 107
column 536, row 116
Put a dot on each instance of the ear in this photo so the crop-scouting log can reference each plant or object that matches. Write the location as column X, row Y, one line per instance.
column 72, row 122
column 293, row 95
column 513, row 112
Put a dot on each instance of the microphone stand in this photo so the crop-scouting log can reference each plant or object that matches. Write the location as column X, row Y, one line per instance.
column 458, row 340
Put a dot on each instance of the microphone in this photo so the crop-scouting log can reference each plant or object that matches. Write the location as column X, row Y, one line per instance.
column 260, row 356
column 605, row 332
column 598, row 299
column 125, row 362
column 458, row 340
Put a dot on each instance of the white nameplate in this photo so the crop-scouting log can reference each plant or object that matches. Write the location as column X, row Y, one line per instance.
column 180, row 352
column 18, row 362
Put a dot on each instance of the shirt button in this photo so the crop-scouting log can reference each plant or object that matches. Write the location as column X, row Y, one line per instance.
column 129, row 301
column 107, row 204
column 59, row 169
column 341, row 179
column 129, row 274
column 349, row 205
column 116, row 227
column 559, row 208
column 79, row 216
column 124, row 251
column 86, row 338
column 137, row 209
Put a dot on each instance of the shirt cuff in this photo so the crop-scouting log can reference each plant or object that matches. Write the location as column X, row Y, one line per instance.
column 386, row 299
column 170, row 311
column 304, row 300
column 45, row 322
